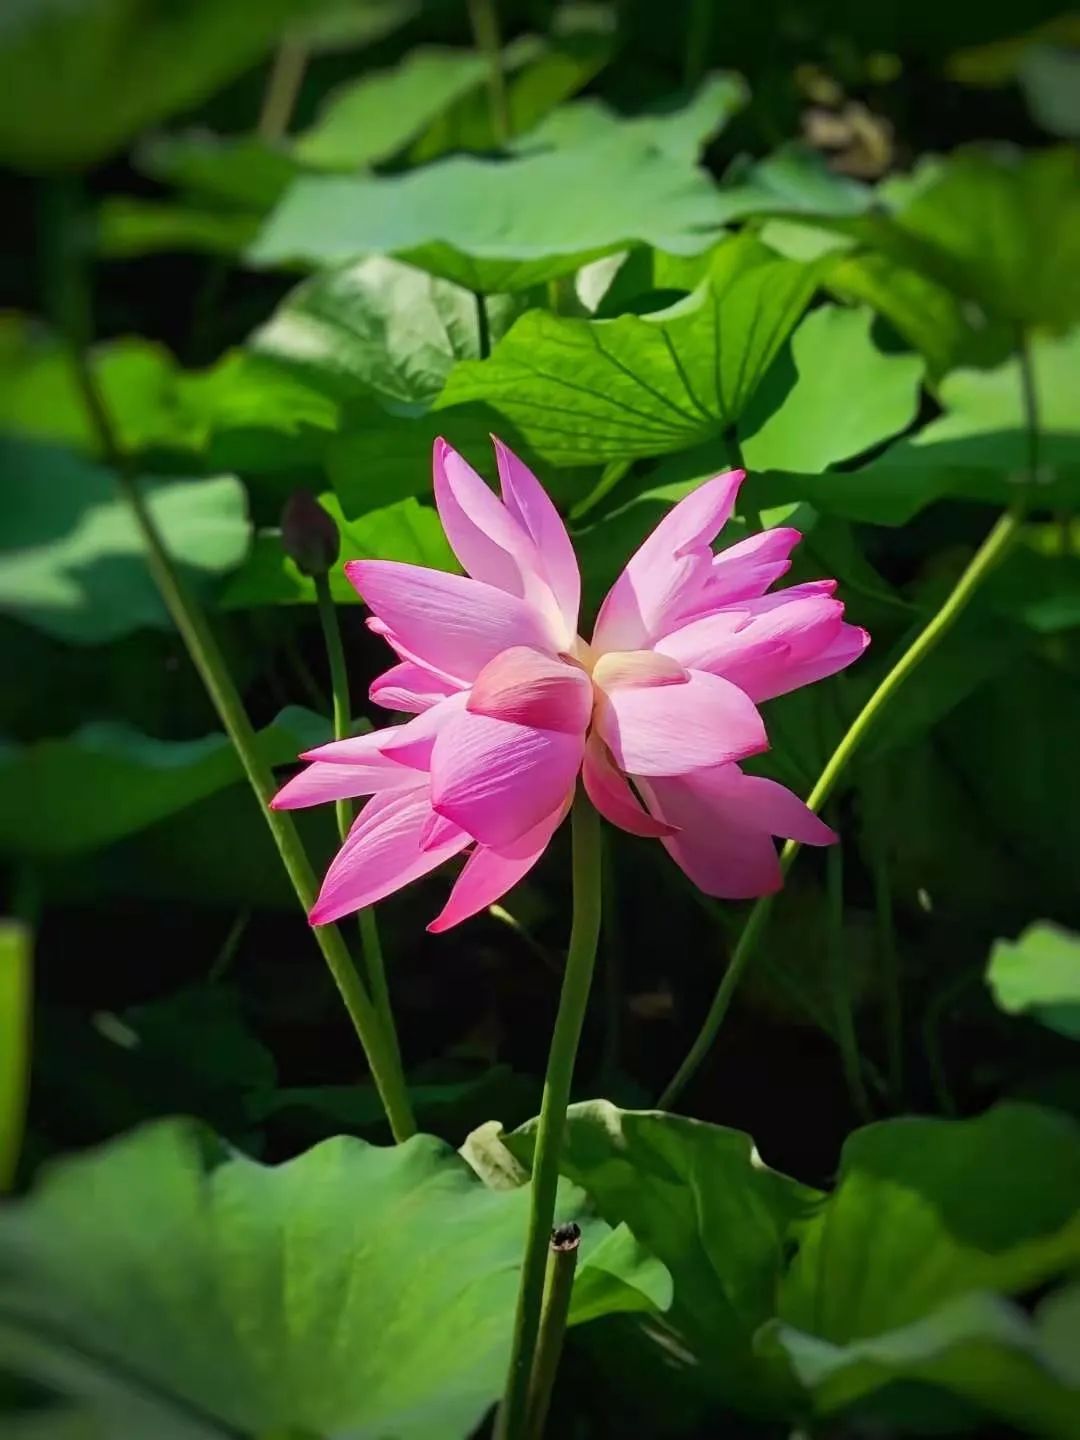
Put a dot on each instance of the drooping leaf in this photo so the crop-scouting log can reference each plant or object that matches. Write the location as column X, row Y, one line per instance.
column 927, row 1211
column 982, row 1350
column 702, row 1201
column 586, row 391
column 406, row 531
column 1000, row 227
column 164, row 1272
column 372, row 118
column 77, row 79
column 108, row 780
column 848, row 396
column 128, row 228
column 1038, row 974
column 497, row 225
column 377, row 326
column 73, row 560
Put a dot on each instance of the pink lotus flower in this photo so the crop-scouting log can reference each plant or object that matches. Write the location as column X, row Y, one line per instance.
column 510, row 705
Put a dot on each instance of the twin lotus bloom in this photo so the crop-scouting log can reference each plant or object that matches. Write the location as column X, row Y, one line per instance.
column 511, row 705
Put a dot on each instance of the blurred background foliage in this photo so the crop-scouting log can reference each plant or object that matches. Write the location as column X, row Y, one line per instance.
column 637, row 241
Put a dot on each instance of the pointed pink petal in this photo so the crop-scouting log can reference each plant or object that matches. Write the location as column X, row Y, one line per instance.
column 381, row 854
column 613, row 795
column 411, row 744
column 450, row 623
column 750, row 567
column 528, row 501
column 490, row 541
column 437, row 829
column 531, row 688
column 497, row 779
column 713, row 642
column 409, row 687
column 722, row 856
column 776, row 809
column 319, row 782
column 637, row 667
column 845, row 647
column 490, row 873
column 778, row 645
column 669, row 572
column 670, row 729
column 357, row 750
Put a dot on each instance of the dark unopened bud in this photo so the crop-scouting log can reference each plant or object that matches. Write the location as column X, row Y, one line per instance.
column 308, row 534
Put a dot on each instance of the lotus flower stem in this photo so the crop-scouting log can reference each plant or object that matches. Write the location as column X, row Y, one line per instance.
column 210, row 663
column 370, row 941
column 584, row 934
column 561, row 1265
column 996, row 545
column 840, row 976
column 282, row 89
column 485, row 27
column 483, row 325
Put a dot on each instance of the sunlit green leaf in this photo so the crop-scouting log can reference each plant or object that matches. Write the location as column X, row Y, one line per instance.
column 318, row 1297
column 848, row 396
column 1039, row 975
column 585, row 391
column 498, row 225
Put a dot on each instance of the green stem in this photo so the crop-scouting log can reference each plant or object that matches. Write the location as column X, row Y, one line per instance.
column 698, row 35
column 558, row 1287
column 485, row 27
column 282, row 89
column 370, row 942
column 610, row 476
column 581, row 956
column 210, row 663
column 990, row 552
column 483, row 325
column 887, row 958
column 840, row 975
column 612, row 972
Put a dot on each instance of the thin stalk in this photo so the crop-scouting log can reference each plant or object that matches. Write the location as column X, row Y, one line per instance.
column 698, row 35
column 580, row 959
column 483, row 325
column 840, row 976
column 558, row 1287
column 370, row 942
column 612, row 972
column 996, row 545
column 610, row 476
column 485, row 27
column 282, row 89
column 213, row 670
column 888, row 960
column 230, row 945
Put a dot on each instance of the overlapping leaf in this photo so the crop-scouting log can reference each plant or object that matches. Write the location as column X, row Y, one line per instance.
column 585, row 391
column 1038, row 974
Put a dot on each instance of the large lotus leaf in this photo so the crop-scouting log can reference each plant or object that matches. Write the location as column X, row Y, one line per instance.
column 372, row 118
column 848, row 396
column 926, row 1211
column 977, row 450
column 999, row 226
column 78, row 77
column 353, row 1292
column 585, row 391
column 73, row 563
column 701, row 1200
column 1039, row 975
column 406, row 531
column 377, row 326
column 981, row 1349
column 498, row 225
column 108, row 780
